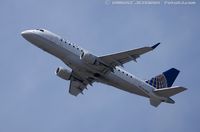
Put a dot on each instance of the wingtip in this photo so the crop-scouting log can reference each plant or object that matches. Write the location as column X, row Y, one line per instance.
column 184, row 88
column 154, row 46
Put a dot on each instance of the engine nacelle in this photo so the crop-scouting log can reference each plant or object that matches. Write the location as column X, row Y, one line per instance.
column 63, row 73
column 88, row 58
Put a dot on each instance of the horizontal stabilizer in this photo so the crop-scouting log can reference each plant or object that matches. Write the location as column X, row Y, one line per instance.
column 168, row 92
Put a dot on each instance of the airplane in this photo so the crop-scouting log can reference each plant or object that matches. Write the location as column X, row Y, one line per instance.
column 86, row 68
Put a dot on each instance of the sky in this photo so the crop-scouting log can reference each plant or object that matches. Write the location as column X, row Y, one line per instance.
column 34, row 99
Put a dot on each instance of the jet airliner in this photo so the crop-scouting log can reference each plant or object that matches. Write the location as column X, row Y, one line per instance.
column 87, row 68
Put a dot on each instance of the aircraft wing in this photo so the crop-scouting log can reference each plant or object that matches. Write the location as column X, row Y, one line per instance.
column 79, row 82
column 76, row 87
column 121, row 58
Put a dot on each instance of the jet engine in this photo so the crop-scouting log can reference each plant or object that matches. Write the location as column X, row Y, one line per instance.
column 63, row 73
column 88, row 58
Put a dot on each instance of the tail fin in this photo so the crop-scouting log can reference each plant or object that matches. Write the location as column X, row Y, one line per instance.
column 166, row 79
column 155, row 102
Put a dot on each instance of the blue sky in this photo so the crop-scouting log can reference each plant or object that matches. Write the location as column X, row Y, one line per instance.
column 33, row 98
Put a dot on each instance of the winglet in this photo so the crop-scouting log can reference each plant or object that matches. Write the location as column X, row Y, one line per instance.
column 154, row 46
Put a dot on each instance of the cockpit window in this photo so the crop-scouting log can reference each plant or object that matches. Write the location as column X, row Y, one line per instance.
column 40, row 30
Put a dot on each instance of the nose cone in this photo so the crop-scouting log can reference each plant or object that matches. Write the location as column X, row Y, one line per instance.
column 26, row 34
column 34, row 37
column 29, row 35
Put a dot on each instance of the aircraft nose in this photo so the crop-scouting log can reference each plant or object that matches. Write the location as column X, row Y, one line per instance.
column 26, row 34
column 33, row 37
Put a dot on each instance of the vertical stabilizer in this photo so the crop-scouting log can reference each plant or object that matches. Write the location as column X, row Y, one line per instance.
column 170, row 76
column 166, row 79
column 155, row 102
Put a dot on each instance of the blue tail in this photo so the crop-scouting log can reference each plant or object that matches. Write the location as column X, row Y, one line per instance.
column 166, row 79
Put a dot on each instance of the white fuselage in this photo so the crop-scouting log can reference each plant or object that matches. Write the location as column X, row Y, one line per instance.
column 70, row 55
